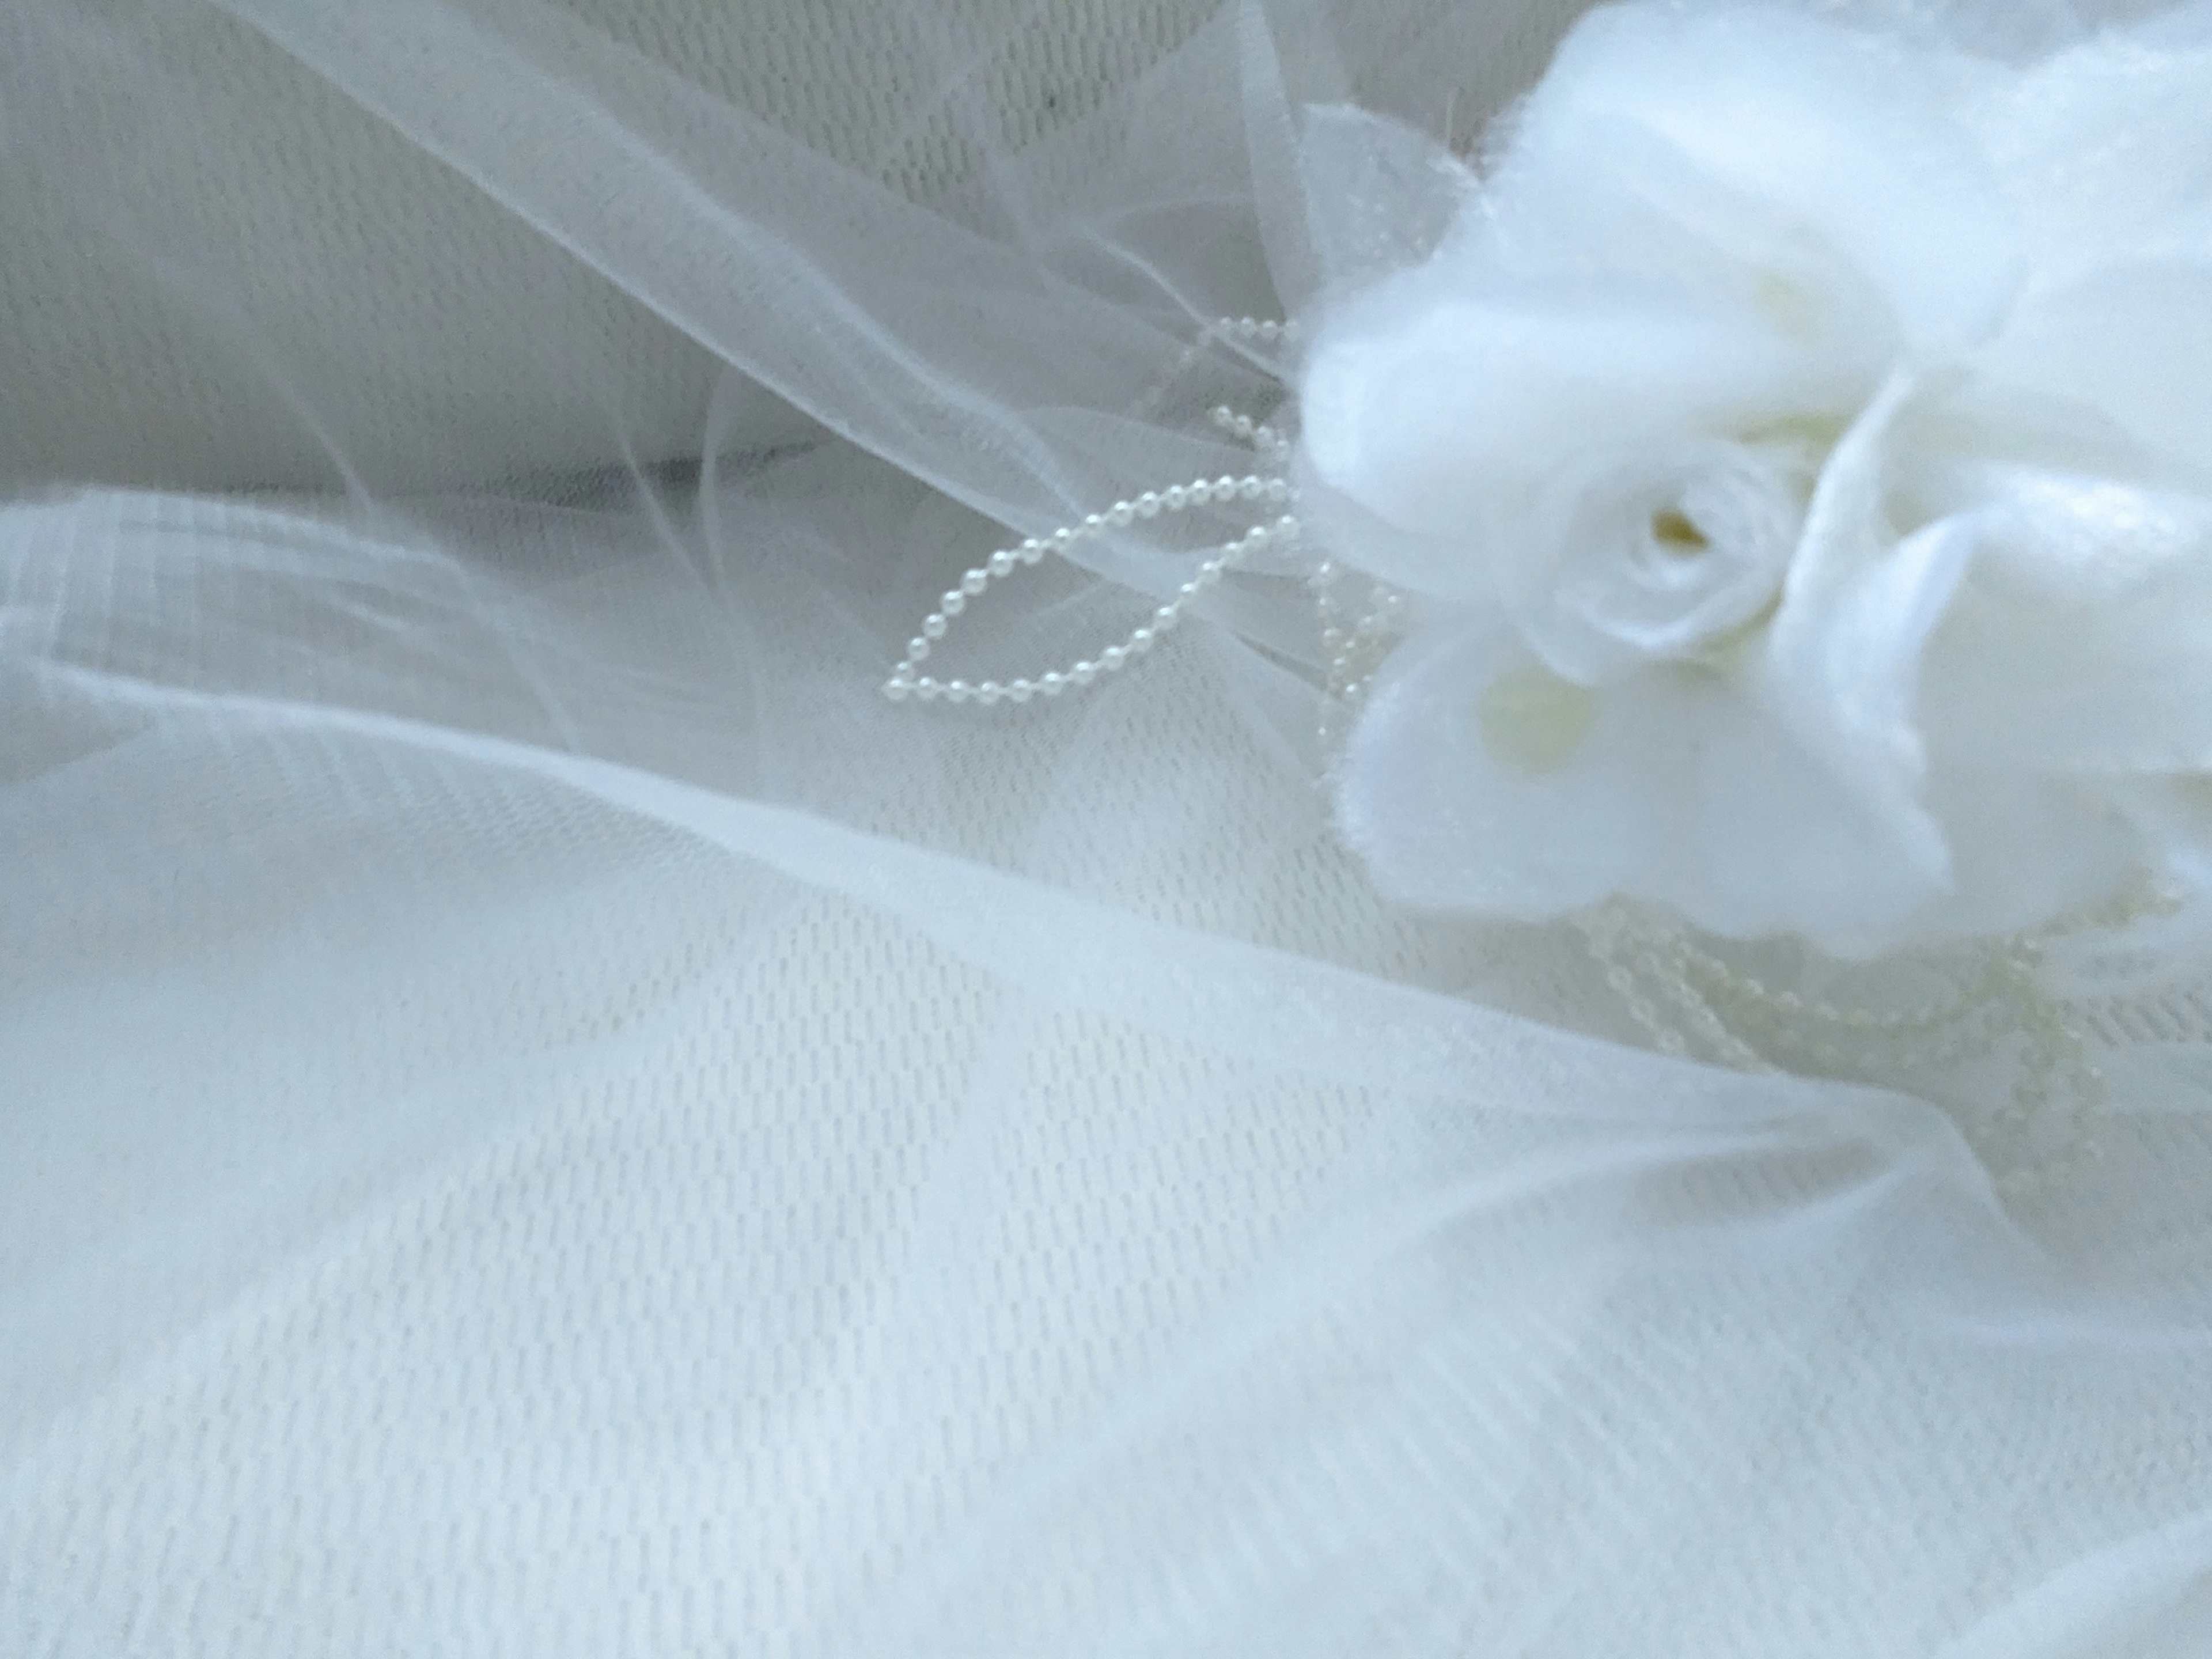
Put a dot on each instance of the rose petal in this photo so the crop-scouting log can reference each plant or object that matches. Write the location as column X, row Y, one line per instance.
column 1840, row 663
column 2103, row 150
column 1532, row 823
column 2082, row 642
column 1782, row 846
column 1779, row 140
column 2026, row 846
column 1672, row 789
column 2131, row 343
column 1423, row 401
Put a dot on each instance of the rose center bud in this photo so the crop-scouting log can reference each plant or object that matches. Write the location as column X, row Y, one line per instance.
column 1673, row 530
column 1636, row 560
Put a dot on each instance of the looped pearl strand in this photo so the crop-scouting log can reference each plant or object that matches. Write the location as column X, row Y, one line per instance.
column 1999, row 1004
column 1268, row 440
column 908, row 681
column 1251, row 332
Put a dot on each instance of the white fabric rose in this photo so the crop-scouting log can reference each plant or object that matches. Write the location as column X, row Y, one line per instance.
column 1798, row 452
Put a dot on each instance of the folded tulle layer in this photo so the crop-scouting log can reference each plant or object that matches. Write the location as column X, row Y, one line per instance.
column 545, row 1115
column 673, row 1161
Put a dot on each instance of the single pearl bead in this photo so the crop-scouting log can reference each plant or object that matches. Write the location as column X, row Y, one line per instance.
column 1165, row 616
column 987, row 693
column 1122, row 513
column 1083, row 673
column 1112, row 658
column 1002, row 563
column 975, row 582
column 953, row 603
column 934, row 627
column 1053, row 684
column 1148, row 505
column 1175, row 495
column 1021, row 691
column 958, row 690
column 917, row 649
column 896, row 690
column 1141, row 642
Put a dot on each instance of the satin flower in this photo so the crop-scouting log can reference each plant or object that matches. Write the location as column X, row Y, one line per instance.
column 1796, row 450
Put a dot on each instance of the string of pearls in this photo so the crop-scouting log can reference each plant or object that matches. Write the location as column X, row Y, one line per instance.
column 1255, row 330
column 1268, row 440
column 1635, row 952
column 1688, row 998
column 907, row 680
column 1353, row 644
column 1248, row 331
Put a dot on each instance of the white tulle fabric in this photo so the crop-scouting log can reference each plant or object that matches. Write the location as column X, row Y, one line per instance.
column 544, row 1116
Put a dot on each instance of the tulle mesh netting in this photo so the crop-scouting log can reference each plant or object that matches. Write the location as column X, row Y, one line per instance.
column 545, row 1116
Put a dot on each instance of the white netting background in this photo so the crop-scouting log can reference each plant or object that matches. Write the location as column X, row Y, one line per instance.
column 470, row 1196
column 546, row 1117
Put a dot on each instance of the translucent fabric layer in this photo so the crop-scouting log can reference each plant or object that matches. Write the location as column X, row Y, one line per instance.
column 545, row 1116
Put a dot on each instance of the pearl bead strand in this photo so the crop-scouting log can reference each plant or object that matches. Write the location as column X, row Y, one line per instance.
column 906, row 681
column 1268, row 440
column 1250, row 332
